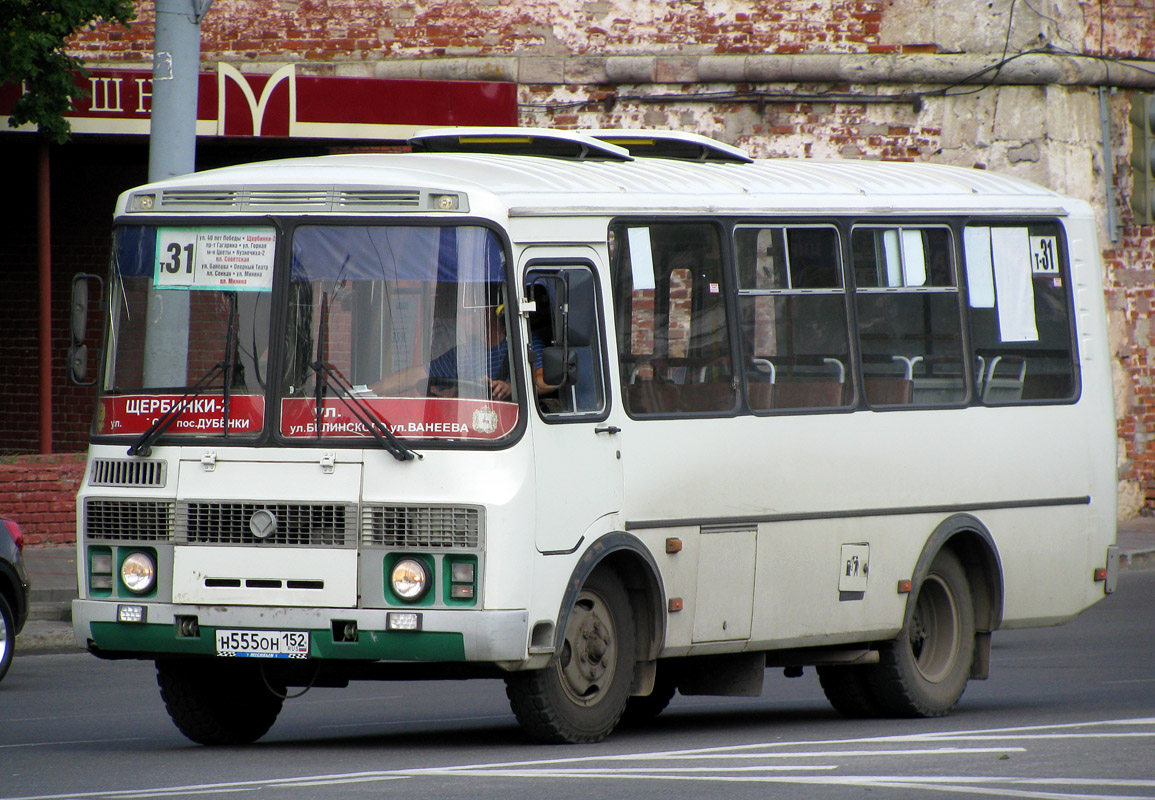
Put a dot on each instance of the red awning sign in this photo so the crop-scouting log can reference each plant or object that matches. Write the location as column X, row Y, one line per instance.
column 285, row 104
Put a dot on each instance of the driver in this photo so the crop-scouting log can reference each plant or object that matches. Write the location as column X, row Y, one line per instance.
column 488, row 367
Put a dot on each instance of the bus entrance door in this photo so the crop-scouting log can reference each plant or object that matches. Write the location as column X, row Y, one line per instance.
column 577, row 454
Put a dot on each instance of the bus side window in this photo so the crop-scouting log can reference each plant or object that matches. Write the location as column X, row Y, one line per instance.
column 1019, row 313
column 673, row 338
column 792, row 314
column 909, row 320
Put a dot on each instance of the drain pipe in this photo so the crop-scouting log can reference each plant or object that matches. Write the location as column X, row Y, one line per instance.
column 44, row 269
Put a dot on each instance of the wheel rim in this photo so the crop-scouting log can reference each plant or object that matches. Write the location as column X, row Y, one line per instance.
column 588, row 658
column 4, row 644
column 934, row 630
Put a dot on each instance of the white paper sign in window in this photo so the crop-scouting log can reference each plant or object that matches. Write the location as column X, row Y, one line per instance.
column 641, row 258
column 237, row 259
column 980, row 270
column 913, row 258
column 1011, row 253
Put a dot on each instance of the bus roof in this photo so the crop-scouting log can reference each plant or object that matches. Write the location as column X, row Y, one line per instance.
column 532, row 185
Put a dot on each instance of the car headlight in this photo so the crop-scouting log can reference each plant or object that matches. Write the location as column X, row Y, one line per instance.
column 138, row 573
column 409, row 579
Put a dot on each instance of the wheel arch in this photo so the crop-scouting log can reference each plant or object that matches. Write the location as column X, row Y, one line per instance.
column 967, row 537
column 633, row 564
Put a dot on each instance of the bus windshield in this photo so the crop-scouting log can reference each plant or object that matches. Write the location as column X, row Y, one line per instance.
column 384, row 330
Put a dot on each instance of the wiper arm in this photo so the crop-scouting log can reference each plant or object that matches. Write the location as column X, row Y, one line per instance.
column 230, row 359
column 378, row 427
column 320, row 364
column 143, row 445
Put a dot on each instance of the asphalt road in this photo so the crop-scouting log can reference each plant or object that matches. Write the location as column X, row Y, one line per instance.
column 1069, row 712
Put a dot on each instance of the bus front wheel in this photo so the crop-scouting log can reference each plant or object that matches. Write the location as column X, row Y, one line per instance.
column 581, row 695
column 217, row 704
column 924, row 672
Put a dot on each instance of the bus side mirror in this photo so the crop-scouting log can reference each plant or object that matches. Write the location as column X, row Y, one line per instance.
column 78, row 324
column 559, row 366
column 582, row 307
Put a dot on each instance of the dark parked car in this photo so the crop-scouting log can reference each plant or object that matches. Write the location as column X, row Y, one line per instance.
column 13, row 590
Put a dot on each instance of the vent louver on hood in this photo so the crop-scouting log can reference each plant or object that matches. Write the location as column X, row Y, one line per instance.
column 291, row 199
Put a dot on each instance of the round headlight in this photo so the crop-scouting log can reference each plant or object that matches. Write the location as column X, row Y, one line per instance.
column 138, row 572
column 409, row 579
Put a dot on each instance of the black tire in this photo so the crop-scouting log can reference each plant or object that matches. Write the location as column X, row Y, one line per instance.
column 217, row 704
column 581, row 695
column 848, row 688
column 7, row 636
column 641, row 710
column 924, row 672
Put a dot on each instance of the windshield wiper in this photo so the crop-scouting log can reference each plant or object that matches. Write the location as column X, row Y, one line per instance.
column 143, row 445
column 366, row 415
column 324, row 371
column 226, row 366
column 230, row 359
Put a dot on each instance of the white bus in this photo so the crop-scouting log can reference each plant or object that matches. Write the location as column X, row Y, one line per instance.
column 608, row 415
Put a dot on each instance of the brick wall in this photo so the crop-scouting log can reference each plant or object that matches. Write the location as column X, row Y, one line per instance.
column 39, row 492
column 85, row 181
column 322, row 31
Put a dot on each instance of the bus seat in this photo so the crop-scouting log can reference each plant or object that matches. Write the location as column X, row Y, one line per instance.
column 889, row 390
column 1004, row 388
column 808, row 393
column 701, row 397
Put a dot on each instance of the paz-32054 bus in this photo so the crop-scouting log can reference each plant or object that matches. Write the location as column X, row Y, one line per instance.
column 610, row 415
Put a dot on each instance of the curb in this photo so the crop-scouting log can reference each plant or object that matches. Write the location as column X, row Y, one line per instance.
column 61, row 639
column 1140, row 559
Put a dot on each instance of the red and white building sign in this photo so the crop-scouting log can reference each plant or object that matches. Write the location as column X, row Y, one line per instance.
column 285, row 104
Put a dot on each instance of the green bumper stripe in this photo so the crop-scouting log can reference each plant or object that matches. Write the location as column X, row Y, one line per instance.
column 371, row 645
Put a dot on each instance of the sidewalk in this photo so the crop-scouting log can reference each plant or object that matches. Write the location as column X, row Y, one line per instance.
column 52, row 571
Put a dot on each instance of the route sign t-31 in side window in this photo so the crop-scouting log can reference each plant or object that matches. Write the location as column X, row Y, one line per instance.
column 240, row 259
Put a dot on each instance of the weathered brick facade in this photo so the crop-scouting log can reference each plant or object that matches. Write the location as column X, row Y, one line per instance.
column 880, row 79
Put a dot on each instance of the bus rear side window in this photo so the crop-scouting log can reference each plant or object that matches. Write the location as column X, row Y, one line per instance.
column 909, row 321
column 1019, row 313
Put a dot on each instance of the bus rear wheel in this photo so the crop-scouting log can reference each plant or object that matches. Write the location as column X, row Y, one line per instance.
column 581, row 695
column 217, row 704
column 924, row 672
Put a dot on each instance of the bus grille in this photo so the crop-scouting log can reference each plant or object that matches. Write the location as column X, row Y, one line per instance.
column 298, row 524
column 441, row 527
column 141, row 520
column 122, row 472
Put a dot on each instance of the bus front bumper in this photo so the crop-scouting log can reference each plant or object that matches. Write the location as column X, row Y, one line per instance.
column 443, row 635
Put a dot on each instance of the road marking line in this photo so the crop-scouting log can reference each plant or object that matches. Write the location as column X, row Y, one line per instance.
column 1001, row 786
column 74, row 741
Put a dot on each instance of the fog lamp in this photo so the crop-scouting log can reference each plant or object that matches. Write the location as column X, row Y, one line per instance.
column 131, row 613
column 403, row 621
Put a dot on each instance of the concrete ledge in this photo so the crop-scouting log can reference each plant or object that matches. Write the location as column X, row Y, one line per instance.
column 1033, row 69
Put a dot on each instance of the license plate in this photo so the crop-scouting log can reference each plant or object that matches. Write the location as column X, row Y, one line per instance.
column 263, row 644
